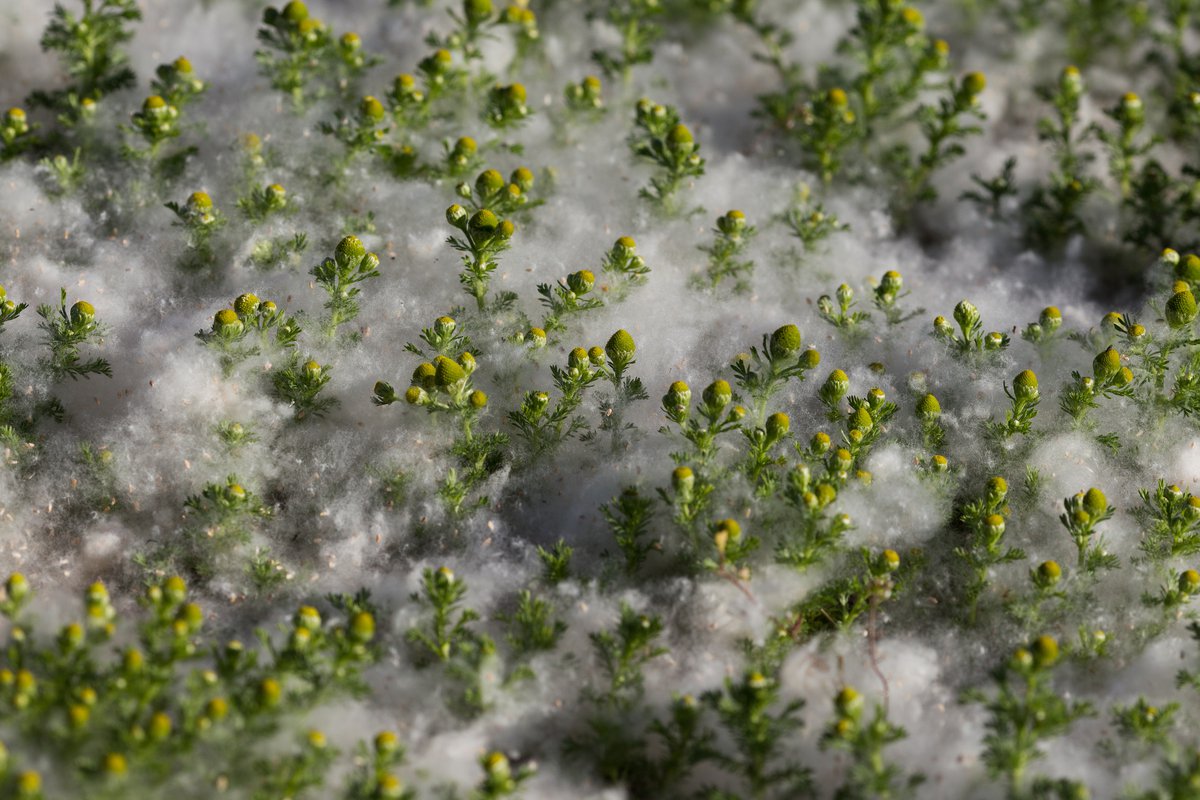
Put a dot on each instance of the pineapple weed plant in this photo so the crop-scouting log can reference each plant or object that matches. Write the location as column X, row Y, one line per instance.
column 681, row 491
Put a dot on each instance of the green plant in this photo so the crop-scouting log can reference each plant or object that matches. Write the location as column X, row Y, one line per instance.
column 808, row 221
column 972, row 342
column 1082, row 513
column 484, row 236
column 16, row 134
column 622, row 654
column 339, row 277
column 758, row 734
column 1018, row 419
column 300, row 385
column 634, row 21
column 201, row 219
column 296, row 47
column 447, row 637
column 1053, row 210
column 885, row 295
column 1023, row 711
column 66, row 332
column 661, row 139
column 177, row 83
column 763, row 374
column 983, row 551
column 731, row 236
column 262, row 202
column 506, row 106
column 840, row 316
column 89, row 47
column 544, row 428
column 869, row 775
column 246, row 329
column 1170, row 519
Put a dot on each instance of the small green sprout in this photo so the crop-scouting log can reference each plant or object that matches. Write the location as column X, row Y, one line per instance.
column 177, row 83
column 585, row 100
column 532, row 626
column 262, row 202
column 944, row 127
column 359, row 131
column 569, row 296
column 556, row 561
column 1082, row 513
column 340, row 277
column 840, row 316
column 16, row 134
column 1046, row 329
column 731, row 236
column 300, row 385
column 157, row 122
column 614, row 361
column 484, row 236
column 1123, row 147
column 500, row 779
column 66, row 331
column 623, row 264
column 623, row 652
column 628, row 516
column 506, row 106
column 471, row 28
column 716, row 410
column 928, row 411
column 808, row 221
column 992, row 194
column 1025, row 397
column 885, row 295
column 201, row 219
column 661, row 139
column 763, row 374
column 461, row 157
column 502, row 197
column 972, row 341
column 447, row 637
column 232, row 328
column 1108, row 379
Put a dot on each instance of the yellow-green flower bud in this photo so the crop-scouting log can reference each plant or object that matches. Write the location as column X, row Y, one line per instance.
column 848, row 702
column 1106, row 365
column 448, row 372
column 680, row 140
column 620, row 346
column 682, row 480
column 82, row 313
column 483, row 224
column 456, row 215
column 928, row 408
column 425, row 375
column 778, row 425
column 1094, row 502
column 245, row 304
column 1045, row 651
column 1048, row 573
column 370, row 109
column 536, row 337
column 717, row 395
column 785, row 341
column 522, row 178
column 227, row 324
column 973, row 83
column 1050, row 319
column 1180, row 309
column 1025, row 385
column 994, row 524
column 997, row 489
column 16, row 587
column 596, row 356
column 477, row 399
column 1189, row 581
column 362, row 627
column 489, row 182
column 581, row 282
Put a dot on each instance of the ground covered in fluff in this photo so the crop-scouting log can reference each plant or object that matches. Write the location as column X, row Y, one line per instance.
column 571, row 399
